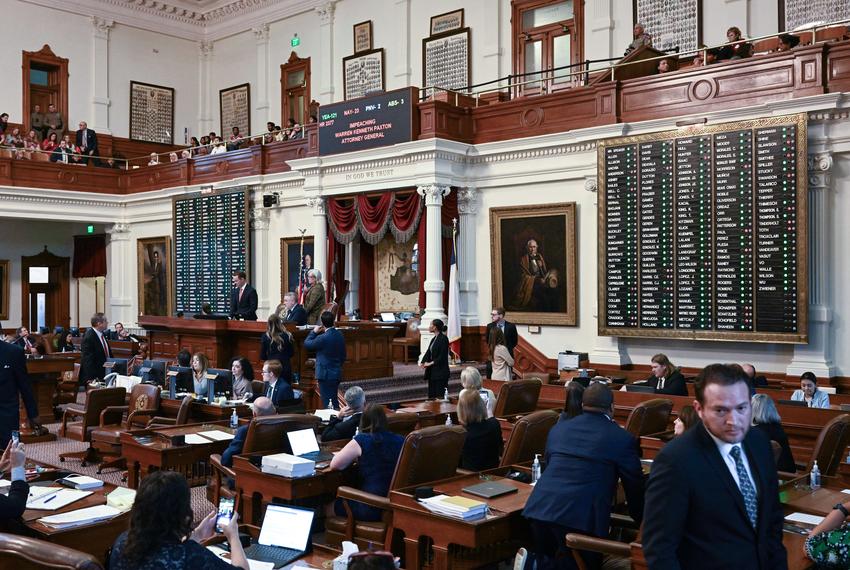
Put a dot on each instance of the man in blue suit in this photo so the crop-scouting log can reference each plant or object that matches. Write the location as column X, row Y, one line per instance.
column 329, row 345
column 585, row 456
column 262, row 407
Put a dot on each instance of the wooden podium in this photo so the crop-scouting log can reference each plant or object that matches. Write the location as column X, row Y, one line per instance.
column 44, row 373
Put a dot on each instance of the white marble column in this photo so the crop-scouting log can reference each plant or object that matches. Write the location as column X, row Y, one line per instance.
column 205, row 116
column 467, row 206
column 816, row 356
column 99, row 120
column 261, row 34
column 401, row 49
column 326, row 51
column 267, row 297
column 493, row 64
column 434, row 283
column 599, row 17
column 121, row 284
column 320, row 236
column 352, row 273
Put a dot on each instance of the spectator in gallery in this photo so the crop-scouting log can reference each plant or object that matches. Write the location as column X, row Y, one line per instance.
column 62, row 153
column 111, row 162
column 809, row 392
column 313, row 120
column 50, row 143
column 194, row 143
column 53, row 121
column 154, row 160
column 203, row 148
column 172, row 157
column 235, row 140
column 735, row 49
column 664, row 66
column 788, row 42
column 186, row 153
column 295, row 131
column 37, row 122
column 31, row 140
column 14, row 138
column 269, row 136
column 279, row 134
column 218, row 146
column 86, row 141
column 4, row 123
column 212, row 136
column 641, row 38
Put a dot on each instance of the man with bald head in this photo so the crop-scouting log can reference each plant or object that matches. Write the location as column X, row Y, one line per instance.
column 262, row 407
column 641, row 38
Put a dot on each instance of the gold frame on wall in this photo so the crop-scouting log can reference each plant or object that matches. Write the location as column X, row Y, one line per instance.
column 144, row 250
column 5, row 283
column 562, row 266
column 801, row 337
column 362, row 36
column 446, row 22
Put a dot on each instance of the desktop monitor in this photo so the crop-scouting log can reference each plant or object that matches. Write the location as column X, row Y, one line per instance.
column 117, row 365
column 153, row 372
column 223, row 381
column 181, row 379
column 640, row 388
column 75, row 331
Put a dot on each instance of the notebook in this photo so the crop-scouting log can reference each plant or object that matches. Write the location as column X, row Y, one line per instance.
column 304, row 445
column 284, row 536
column 490, row 489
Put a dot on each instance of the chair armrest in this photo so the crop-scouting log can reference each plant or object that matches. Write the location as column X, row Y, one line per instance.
column 623, row 521
column 140, row 417
column 215, row 460
column 465, row 472
column 160, row 421
column 593, row 544
column 109, row 414
column 363, row 497
column 787, row 475
column 68, row 414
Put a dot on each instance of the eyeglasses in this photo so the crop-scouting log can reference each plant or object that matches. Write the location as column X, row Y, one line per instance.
column 267, row 371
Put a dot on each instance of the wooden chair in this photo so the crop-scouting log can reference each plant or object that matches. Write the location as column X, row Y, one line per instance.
column 24, row 553
column 428, row 454
column 609, row 548
column 332, row 307
column 81, row 430
column 649, row 417
column 66, row 390
column 829, row 448
column 181, row 419
column 115, row 420
column 529, row 437
column 517, row 397
column 409, row 340
column 265, row 434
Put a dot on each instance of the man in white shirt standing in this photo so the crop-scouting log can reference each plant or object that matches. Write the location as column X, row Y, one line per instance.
column 94, row 350
column 712, row 499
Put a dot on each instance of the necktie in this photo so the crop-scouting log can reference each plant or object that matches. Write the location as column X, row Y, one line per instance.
column 241, row 290
column 105, row 347
column 660, row 384
column 269, row 391
column 747, row 489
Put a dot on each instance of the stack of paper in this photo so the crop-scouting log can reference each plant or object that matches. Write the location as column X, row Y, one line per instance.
column 456, row 507
column 121, row 498
column 325, row 414
column 288, row 465
column 81, row 482
column 196, row 439
column 53, row 498
column 80, row 517
column 216, row 435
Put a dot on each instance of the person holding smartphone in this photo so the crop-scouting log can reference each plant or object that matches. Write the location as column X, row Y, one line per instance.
column 12, row 506
column 161, row 534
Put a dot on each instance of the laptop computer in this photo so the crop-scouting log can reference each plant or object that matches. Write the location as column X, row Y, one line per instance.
column 303, row 444
column 490, row 489
column 799, row 403
column 640, row 388
column 388, row 317
column 284, row 535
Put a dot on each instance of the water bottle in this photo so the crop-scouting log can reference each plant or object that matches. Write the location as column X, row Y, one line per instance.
column 446, row 395
column 331, row 404
column 234, row 419
column 448, row 420
column 535, row 468
column 814, row 477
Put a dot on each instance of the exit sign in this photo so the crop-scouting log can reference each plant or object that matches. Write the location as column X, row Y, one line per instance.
column 295, row 41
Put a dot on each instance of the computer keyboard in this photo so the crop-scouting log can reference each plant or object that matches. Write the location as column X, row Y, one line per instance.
column 276, row 554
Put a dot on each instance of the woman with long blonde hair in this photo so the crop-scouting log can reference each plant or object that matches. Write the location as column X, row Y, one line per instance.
column 276, row 344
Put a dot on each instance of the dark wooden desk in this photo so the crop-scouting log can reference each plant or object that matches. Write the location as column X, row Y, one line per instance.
column 430, row 412
column 203, row 412
column 256, row 489
column 504, row 522
column 191, row 459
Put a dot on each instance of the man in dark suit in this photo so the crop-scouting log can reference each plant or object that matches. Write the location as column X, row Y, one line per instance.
column 292, row 312
column 262, row 407
column 329, row 345
column 94, row 350
column 86, row 141
column 277, row 388
column 344, row 425
column 712, row 499
column 25, row 341
column 585, row 457
column 243, row 298
column 13, row 381
column 497, row 317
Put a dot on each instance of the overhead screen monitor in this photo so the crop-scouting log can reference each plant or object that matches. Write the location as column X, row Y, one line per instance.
column 702, row 233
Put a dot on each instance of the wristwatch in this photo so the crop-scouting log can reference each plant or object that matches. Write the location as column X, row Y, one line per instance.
column 840, row 507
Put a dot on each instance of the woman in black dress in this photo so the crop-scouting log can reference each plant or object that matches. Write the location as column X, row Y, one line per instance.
column 436, row 361
column 766, row 419
column 483, row 445
column 276, row 344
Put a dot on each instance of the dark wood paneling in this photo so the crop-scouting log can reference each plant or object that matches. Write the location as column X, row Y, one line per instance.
column 838, row 67
column 36, row 174
column 153, row 177
column 441, row 119
column 231, row 164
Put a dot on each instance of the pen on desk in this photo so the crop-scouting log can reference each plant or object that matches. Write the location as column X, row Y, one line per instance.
column 50, row 499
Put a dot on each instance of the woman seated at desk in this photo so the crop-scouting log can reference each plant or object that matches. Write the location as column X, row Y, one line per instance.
column 161, row 535
column 809, row 392
column 243, row 374
column 200, row 363
column 66, row 343
column 483, row 445
column 766, row 420
column 376, row 451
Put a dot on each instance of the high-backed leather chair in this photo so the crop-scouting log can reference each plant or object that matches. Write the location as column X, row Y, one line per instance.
column 409, row 340
column 24, row 553
column 402, row 423
column 181, row 419
column 428, row 454
column 332, row 307
column 66, row 389
column 265, row 434
column 115, row 420
column 829, row 447
column 517, row 397
column 529, row 437
column 649, row 417
column 81, row 430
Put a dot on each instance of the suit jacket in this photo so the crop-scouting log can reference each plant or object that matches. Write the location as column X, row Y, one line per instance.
column 695, row 514
column 438, row 353
column 90, row 141
column 673, row 386
column 246, row 307
column 13, row 505
column 281, row 393
column 22, row 342
column 235, row 447
column 274, row 352
column 344, row 428
column 584, row 459
column 14, row 380
column 511, row 340
column 314, row 300
column 296, row 315
column 92, row 356
column 330, row 353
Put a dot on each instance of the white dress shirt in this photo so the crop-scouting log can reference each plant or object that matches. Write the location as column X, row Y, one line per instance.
column 724, row 448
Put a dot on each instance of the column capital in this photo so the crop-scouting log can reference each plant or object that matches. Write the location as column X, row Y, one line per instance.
column 317, row 203
column 260, row 219
column 261, row 32
column 326, row 12
column 433, row 193
column 101, row 27
column 820, row 170
column 119, row 231
column 467, row 200
column 205, row 49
